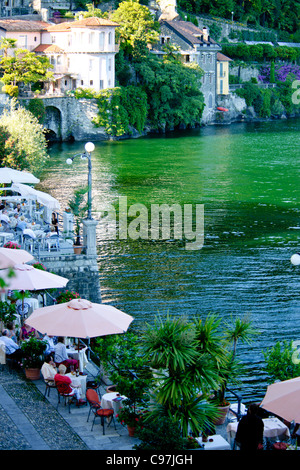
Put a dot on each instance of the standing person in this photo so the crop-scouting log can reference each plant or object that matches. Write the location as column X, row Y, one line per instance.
column 61, row 355
column 54, row 222
column 250, row 430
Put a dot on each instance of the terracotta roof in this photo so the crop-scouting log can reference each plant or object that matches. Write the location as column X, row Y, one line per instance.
column 223, row 57
column 23, row 25
column 47, row 48
column 85, row 23
column 189, row 31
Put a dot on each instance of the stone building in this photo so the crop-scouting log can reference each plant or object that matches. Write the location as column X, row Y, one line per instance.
column 194, row 45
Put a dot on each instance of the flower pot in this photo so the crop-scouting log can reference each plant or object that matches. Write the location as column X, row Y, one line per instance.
column 131, row 430
column 77, row 249
column 32, row 373
column 223, row 410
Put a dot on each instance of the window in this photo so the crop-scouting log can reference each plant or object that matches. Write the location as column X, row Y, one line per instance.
column 109, row 38
column 91, row 82
column 101, row 84
column 22, row 41
column 91, row 38
column 109, row 65
column 203, row 58
column 90, row 65
column 53, row 39
column 59, row 60
column 82, row 83
column 35, row 38
column 101, row 41
column 187, row 58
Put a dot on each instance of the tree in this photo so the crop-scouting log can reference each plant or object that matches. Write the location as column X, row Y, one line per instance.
column 24, row 141
column 7, row 43
column 180, row 373
column 173, row 91
column 91, row 12
column 136, row 25
column 25, row 67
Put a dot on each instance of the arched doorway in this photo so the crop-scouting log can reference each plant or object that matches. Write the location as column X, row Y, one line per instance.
column 52, row 123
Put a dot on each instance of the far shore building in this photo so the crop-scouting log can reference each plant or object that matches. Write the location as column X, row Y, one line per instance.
column 82, row 52
column 194, row 45
column 223, row 74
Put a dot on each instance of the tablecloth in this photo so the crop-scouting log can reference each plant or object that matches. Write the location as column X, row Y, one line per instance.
column 273, row 427
column 80, row 380
column 80, row 357
column 108, row 401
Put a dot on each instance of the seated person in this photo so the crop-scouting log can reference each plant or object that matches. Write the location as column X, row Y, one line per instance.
column 26, row 332
column 61, row 355
column 4, row 217
column 14, row 220
column 12, row 349
column 18, row 208
column 11, row 332
column 50, row 345
column 30, row 232
column 62, row 378
column 22, row 224
column 49, row 369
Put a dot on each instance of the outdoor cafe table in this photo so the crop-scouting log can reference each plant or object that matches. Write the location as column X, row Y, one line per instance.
column 215, row 442
column 80, row 357
column 273, row 428
column 6, row 237
column 80, row 380
column 109, row 401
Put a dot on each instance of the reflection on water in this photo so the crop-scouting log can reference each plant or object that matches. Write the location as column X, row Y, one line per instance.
column 247, row 177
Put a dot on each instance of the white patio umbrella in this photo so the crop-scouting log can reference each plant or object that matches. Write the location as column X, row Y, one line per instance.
column 35, row 195
column 10, row 257
column 9, row 175
column 79, row 318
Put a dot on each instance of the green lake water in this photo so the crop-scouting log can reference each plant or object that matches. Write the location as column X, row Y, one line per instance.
column 248, row 178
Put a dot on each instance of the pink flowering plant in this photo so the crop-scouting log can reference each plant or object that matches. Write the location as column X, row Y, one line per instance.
column 67, row 296
column 12, row 245
column 40, row 266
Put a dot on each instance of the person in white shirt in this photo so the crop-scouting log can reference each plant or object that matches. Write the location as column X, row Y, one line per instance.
column 61, row 355
column 50, row 345
column 48, row 369
column 12, row 349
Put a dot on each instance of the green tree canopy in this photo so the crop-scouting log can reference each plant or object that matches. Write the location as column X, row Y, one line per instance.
column 136, row 24
column 23, row 144
column 25, row 67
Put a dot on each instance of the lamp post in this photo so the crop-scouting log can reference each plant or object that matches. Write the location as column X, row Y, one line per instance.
column 89, row 148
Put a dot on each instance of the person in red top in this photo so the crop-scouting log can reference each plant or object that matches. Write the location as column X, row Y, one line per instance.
column 62, row 378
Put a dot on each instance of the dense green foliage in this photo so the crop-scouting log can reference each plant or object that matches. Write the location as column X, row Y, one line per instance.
column 270, row 102
column 282, row 15
column 281, row 361
column 25, row 67
column 37, row 108
column 22, row 140
column 261, row 52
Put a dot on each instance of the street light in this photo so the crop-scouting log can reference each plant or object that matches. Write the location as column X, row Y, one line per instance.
column 295, row 259
column 89, row 148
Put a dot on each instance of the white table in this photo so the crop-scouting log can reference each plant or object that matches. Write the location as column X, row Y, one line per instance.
column 273, row 427
column 215, row 442
column 107, row 401
column 6, row 237
column 80, row 357
column 80, row 380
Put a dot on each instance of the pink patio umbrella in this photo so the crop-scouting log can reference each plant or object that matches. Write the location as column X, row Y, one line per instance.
column 26, row 277
column 79, row 318
column 283, row 399
column 10, row 257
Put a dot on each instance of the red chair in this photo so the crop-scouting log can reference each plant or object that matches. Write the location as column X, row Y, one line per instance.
column 65, row 391
column 95, row 406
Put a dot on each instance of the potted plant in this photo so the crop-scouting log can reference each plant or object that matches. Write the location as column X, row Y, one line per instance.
column 12, row 245
column 129, row 416
column 79, row 207
column 7, row 313
column 33, row 350
column 160, row 435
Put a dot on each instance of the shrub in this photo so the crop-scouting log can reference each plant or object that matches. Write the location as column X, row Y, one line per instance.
column 67, row 296
column 11, row 90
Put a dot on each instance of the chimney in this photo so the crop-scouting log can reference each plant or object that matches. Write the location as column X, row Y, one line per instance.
column 205, row 33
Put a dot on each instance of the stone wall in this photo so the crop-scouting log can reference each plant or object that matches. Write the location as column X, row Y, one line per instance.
column 81, row 270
